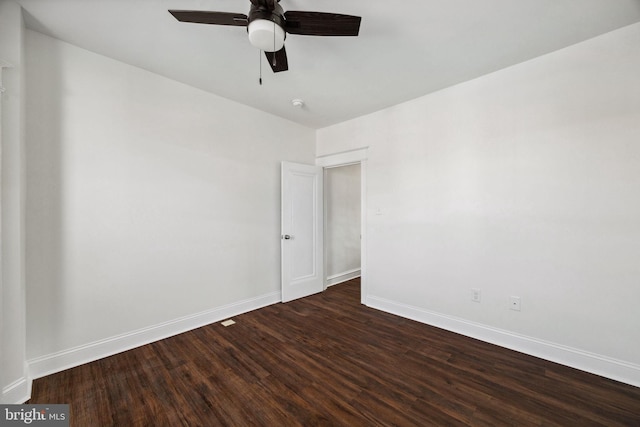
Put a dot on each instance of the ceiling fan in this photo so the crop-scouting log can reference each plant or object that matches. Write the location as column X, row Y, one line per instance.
column 267, row 25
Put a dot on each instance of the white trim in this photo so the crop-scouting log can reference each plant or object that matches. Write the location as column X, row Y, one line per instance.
column 343, row 277
column 364, row 289
column 618, row 370
column 345, row 158
column 342, row 159
column 59, row 361
column 16, row 392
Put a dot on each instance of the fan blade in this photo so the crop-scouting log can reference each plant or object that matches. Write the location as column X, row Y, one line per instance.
column 321, row 24
column 216, row 18
column 281, row 60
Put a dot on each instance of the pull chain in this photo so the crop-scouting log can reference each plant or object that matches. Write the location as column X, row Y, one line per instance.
column 260, row 61
column 274, row 43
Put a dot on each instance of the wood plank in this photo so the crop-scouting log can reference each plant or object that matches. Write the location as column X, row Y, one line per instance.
column 328, row 360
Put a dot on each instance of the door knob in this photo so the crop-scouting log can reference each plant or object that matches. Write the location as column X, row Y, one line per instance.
column 286, row 237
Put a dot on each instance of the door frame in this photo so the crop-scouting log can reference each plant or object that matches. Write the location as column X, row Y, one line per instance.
column 346, row 158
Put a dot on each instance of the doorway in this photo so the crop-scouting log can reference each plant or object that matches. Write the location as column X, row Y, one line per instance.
column 342, row 223
column 313, row 236
column 357, row 156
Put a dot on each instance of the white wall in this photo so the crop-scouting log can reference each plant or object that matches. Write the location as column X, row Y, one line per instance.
column 342, row 232
column 523, row 182
column 13, row 375
column 148, row 201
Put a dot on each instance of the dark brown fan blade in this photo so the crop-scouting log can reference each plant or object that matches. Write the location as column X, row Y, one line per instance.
column 281, row 60
column 216, row 18
column 321, row 24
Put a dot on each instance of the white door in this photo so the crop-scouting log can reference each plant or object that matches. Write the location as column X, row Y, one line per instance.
column 301, row 232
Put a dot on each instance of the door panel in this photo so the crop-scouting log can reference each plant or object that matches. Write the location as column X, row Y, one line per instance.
column 302, row 232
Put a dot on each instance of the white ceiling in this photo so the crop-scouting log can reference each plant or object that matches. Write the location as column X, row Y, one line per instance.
column 406, row 49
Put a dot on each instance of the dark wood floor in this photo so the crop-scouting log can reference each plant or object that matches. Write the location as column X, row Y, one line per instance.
column 327, row 360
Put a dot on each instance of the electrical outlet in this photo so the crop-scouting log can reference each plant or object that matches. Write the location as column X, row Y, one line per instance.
column 514, row 303
column 475, row 294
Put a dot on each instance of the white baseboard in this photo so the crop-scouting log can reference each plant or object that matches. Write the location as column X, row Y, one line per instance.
column 17, row 392
column 343, row 277
column 618, row 370
column 59, row 361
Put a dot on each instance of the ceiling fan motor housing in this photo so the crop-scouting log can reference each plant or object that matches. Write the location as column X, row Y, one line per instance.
column 266, row 28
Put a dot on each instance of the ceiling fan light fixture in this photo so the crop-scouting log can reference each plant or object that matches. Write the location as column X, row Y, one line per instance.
column 266, row 35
